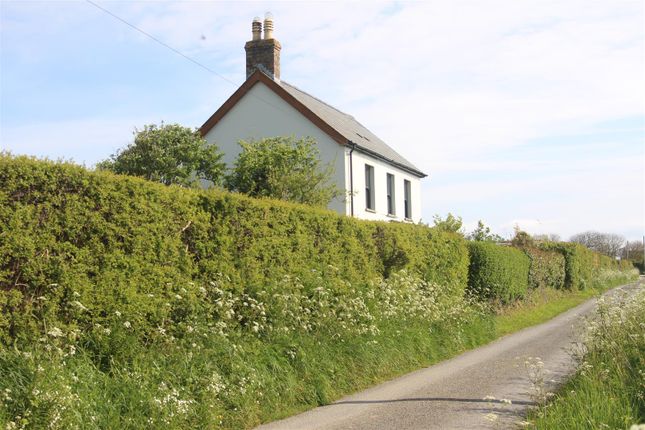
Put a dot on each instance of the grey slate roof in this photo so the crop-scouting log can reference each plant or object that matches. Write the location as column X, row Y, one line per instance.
column 352, row 130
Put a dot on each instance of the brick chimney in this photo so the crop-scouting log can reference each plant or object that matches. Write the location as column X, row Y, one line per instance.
column 263, row 53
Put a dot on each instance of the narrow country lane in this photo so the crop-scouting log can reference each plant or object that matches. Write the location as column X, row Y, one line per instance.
column 450, row 395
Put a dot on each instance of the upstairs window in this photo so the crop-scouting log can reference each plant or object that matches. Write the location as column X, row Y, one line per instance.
column 407, row 199
column 369, row 187
column 391, row 203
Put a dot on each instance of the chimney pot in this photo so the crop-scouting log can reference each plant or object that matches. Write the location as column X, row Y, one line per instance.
column 256, row 28
column 268, row 25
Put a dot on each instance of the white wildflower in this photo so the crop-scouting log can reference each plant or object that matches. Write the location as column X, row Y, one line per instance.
column 55, row 332
column 79, row 305
column 491, row 417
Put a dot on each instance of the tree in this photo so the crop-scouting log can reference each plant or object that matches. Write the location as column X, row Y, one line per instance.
column 283, row 168
column 633, row 251
column 604, row 243
column 483, row 234
column 451, row 223
column 522, row 239
column 170, row 154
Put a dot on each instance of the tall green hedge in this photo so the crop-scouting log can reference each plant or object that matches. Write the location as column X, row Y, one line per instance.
column 582, row 265
column 497, row 272
column 113, row 242
column 547, row 269
column 579, row 264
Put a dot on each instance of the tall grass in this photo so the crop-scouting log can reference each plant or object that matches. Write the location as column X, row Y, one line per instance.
column 608, row 392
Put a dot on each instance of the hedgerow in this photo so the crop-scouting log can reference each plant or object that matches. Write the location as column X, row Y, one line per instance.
column 122, row 243
column 582, row 266
column 497, row 272
column 547, row 268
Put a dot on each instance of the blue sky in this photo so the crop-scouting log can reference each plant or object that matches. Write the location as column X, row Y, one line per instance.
column 528, row 113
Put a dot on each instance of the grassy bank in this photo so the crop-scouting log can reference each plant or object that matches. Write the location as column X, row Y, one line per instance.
column 609, row 389
column 228, row 361
column 204, row 375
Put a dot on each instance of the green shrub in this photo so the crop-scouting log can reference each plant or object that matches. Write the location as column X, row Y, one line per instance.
column 283, row 168
column 497, row 272
column 547, row 268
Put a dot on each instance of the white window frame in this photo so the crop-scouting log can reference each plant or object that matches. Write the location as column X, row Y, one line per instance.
column 370, row 204
column 407, row 199
column 391, row 194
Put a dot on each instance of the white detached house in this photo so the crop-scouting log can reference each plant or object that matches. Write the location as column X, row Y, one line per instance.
column 380, row 183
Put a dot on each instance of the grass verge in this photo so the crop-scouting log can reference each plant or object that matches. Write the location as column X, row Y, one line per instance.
column 608, row 392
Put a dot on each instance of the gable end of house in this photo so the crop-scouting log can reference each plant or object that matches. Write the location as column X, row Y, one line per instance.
column 255, row 78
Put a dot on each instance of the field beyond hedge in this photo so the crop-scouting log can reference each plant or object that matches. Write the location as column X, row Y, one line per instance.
column 129, row 304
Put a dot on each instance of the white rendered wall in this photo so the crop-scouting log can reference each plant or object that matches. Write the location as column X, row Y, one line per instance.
column 261, row 113
column 381, row 169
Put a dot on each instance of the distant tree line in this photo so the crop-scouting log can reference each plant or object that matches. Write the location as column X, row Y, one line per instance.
column 605, row 243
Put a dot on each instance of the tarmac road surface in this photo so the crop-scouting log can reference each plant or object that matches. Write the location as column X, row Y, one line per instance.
column 450, row 395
